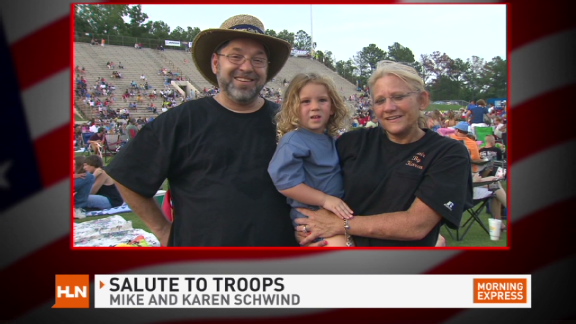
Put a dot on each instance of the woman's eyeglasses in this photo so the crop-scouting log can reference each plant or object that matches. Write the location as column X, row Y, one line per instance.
column 397, row 99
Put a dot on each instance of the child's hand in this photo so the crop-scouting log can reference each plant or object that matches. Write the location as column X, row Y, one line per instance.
column 338, row 207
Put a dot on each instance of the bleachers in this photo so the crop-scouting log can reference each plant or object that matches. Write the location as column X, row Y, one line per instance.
column 149, row 61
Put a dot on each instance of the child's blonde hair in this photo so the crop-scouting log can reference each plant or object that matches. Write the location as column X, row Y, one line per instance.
column 288, row 118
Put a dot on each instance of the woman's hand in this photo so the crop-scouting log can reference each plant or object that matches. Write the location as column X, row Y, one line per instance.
column 320, row 223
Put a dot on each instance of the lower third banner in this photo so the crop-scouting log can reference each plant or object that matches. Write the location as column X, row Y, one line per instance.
column 312, row 291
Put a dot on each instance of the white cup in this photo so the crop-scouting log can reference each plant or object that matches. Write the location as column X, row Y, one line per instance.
column 495, row 226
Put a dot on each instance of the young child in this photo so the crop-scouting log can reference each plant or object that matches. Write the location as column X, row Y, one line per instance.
column 305, row 167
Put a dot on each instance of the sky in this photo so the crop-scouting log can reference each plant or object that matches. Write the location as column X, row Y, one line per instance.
column 460, row 31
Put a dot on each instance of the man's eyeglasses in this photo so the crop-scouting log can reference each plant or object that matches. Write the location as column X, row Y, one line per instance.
column 257, row 62
column 397, row 99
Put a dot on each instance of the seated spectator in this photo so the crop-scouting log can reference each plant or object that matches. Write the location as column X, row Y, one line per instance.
column 103, row 194
column 436, row 121
column 97, row 140
column 373, row 122
column 499, row 127
column 83, row 182
column 451, row 119
column 120, row 66
column 490, row 152
column 462, row 135
column 499, row 199
column 152, row 108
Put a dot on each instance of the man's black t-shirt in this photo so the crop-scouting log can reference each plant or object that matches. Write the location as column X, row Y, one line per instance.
column 216, row 163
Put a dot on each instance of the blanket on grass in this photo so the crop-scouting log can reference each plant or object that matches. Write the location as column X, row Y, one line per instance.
column 111, row 231
column 110, row 211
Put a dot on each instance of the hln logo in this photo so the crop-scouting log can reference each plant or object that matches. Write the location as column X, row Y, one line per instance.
column 66, row 291
column 72, row 291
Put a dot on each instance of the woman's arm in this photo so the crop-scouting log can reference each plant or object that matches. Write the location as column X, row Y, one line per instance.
column 100, row 179
column 412, row 224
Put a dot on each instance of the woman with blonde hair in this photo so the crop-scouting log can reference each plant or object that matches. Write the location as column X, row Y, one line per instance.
column 305, row 166
column 402, row 180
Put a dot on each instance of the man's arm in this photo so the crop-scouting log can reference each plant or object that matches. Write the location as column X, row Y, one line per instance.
column 147, row 209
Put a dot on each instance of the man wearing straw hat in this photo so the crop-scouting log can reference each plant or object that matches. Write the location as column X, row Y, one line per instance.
column 214, row 151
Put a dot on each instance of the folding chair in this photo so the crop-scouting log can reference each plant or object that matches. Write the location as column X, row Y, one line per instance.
column 111, row 145
column 482, row 132
column 474, row 214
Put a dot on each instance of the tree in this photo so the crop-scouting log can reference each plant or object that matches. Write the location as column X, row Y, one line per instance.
column 191, row 33
column 399, row 53
column 157, row 29
column 346, row 70
column 137, row 18
column 287, row 36
column 329, row 60
column 101, row 19
column 472, row 78
column 303, row 41
column 319, row 56
column 366, row 61
column 444, row 88
column 178, row 34
column 496, row 78
column 368, row 58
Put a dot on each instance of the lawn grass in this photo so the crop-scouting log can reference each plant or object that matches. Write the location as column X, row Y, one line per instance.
column 443, row 107
column 476, row 237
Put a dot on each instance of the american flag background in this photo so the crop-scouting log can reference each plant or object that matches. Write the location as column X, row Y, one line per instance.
column 35, row 191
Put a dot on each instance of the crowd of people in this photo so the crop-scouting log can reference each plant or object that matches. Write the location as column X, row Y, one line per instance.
column 249, row 166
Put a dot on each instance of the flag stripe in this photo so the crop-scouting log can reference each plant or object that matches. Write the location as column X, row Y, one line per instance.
column 532, row 77
column 33, row 68
column 41, row 102
column 54, row 145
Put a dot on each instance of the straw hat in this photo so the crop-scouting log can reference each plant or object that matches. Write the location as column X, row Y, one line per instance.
column 240, row 26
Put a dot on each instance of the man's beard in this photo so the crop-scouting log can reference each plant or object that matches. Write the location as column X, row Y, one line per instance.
column 242, row 96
